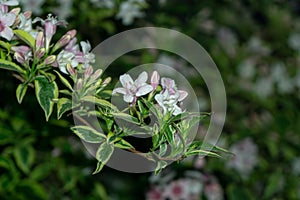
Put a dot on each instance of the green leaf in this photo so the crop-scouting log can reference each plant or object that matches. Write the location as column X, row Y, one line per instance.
column 45, row 92
column 4, row 64
column 88, row 134
column 26, row 37
column 5, row 45
column 100, row 192
column 202, row 152
column 99, row 167
column 64, row 81
column 126, row 117
column 161, row 164
column 30, row 190
column 123, row 144
column 274, row 185
column 24, row 156
column 99, row 102
column 63, row 105
column 41, row 171
column 104, row 152
column 20, row 92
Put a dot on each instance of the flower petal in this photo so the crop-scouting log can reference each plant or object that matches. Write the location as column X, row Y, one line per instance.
column 141, row 79
column 126, row 80
column 145, row 89
column 119, row 90
column 8, row 19
column 128, row 98
column 7, row 33
column 182, row 95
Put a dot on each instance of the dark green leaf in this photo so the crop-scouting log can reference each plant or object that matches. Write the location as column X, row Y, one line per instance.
column 4, row 64
column 45, row 92
column 63, row 105
column 20, row 92
column 24, row 156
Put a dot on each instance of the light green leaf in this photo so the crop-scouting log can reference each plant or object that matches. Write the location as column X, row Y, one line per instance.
column 4, row 64
column 104, row 152
column 20, row 92
column 126, row 117
column 63, row 105
column 99, row 102
column 99, row 167
column 123, row 144
column 88, row 134
column 26, row 37
column 45, row 92
column 161, row 164
column 24, row 156
column 5, row 45
column 64, row 81
column 202, row 153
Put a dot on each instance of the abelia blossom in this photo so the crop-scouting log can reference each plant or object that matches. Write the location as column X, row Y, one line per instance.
column 85, row 57
column 63, row 59
column 22, row 53
column 6, row 20
column 170, row 96
column 50, row 25
column 9, row 2
column 133, row 89
column 155, row 79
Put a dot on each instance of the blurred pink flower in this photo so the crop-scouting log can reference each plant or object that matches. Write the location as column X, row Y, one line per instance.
column 155, row 193
column 213, row 191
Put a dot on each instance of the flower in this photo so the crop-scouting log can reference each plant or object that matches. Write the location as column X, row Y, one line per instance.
column 22, row 53
column 155, row 193
column 131, row 90
column 170, row 97
column 6, row 20
column 85, row 57
column 245, row 159
column 34, row 5
column 177, row 190
column 213, row 191
column 9, row 2
column 129, row 10
column 63, row 59
column 50, row 25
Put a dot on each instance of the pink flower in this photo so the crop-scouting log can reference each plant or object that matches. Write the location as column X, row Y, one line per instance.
column 6, row 20
column 133, row 89
column 213, row 191
column 155, row 194
column 177, row 190
column 85, row 57
column 22, row 53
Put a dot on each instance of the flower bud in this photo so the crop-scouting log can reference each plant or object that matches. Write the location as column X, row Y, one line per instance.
column 19, row 57
column 97, row 74
column 79, row 84
column 15, row 11
column 155, row 79
column 40, row 53
column 88, row 72
column 50, row 60
column 40, row 39
column 70, row 69
column 27, row 14
column 106, row 81
column 72, row 33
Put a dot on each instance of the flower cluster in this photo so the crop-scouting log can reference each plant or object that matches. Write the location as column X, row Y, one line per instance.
column 167, row 95
column 37, row 49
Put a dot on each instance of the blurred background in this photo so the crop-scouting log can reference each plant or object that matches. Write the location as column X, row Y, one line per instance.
column 256, row 46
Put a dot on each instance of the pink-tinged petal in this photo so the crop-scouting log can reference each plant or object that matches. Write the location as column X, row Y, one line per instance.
column 86, row 47
column 155, row 79
column 3, row 8
column 182, row 95
column 8, row 19
column 167, row 83
column 144, row 90
column 126, row 80
column 7, row 33
column 39, row 43
column 128, row 98
column 119, row 90
column 142, row 78
column 177, row 110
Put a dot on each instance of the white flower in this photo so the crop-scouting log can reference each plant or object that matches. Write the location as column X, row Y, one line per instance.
column 85, row 57
column 64, row 58
column 129, row 10
column 246, row 69
column 103, row 3
column 177, row 190
column 64, row 10
column 6, row 20
column 170, row 97
column 264, row 87
column 294, row 41
column 245, row 158
column 9, row 2
column 133, row 89
column 213, row 191
column 34, row 5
